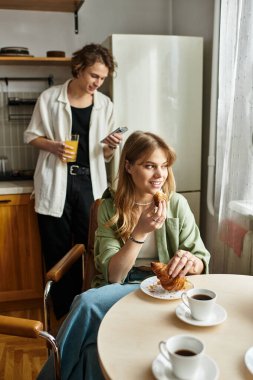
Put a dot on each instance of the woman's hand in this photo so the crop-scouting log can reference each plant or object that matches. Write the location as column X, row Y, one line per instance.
column 157, row 216
column 184, row 263
column 152, row 218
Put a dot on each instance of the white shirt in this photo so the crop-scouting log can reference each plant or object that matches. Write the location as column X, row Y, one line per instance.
column 52, row 119
column 148, row 252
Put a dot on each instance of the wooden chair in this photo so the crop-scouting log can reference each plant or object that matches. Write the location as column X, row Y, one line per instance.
column 89, row 265
column 34, row 329
column 55, row 274
column 31, row 329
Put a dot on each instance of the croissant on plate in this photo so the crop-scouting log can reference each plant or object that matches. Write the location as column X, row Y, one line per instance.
column 162, row 272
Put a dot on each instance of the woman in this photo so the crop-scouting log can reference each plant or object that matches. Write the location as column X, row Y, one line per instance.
column 131, row 233
column 64, row 191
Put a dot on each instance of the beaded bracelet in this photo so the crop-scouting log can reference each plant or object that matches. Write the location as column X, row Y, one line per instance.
column 136, row 241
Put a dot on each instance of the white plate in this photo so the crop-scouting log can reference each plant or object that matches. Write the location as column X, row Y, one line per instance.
column 249, row 359
column 218, row 316
column 151, row 287
column 208, row 370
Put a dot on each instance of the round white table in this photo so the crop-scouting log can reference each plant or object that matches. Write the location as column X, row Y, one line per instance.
column 131, row 330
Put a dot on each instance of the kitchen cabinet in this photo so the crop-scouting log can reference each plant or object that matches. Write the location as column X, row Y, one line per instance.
column 21, row 269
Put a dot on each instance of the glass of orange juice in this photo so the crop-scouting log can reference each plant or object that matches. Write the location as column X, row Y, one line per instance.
column 74, row 143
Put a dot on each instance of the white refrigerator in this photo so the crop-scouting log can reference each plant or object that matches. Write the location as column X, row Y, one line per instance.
column 158, row 88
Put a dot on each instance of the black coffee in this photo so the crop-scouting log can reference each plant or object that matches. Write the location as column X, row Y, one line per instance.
column 185, row 352
column 201, row 297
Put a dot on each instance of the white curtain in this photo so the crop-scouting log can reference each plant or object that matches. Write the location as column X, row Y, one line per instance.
column 234, row 163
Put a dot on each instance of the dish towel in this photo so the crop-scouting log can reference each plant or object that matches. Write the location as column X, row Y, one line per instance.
column 232, row 234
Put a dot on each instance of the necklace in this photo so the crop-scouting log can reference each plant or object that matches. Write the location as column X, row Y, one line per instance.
column 143, row 204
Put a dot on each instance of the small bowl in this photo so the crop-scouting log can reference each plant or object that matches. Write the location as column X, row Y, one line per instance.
column 55, row 53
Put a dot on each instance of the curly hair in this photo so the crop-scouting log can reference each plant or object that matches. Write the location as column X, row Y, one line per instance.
column 139, row 145
column 89, row 55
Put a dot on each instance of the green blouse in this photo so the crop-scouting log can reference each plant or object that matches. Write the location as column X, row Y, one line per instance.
column 179, row 231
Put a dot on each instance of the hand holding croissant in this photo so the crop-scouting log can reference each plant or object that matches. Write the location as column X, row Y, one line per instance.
column 162, row 272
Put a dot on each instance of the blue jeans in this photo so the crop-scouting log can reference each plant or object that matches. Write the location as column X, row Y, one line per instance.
column 77, row 336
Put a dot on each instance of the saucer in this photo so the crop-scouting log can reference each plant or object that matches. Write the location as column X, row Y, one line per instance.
column 218, row 316
column 208, row 370
column 248, row 358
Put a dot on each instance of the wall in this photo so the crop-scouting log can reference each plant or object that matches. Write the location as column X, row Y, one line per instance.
column 100, row 18
column 43, row 31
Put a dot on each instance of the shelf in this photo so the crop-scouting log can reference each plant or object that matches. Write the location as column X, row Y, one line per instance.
column 43, row 5
column 43, row 61
column 70, row 6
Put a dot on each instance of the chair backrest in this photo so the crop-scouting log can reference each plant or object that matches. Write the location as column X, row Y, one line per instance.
column 89, row 265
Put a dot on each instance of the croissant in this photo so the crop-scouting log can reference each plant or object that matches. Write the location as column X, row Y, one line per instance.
column 159, row 196
column 168, row 283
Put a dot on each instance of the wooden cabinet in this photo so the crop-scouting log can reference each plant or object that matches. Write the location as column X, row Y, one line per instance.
column 21, row 270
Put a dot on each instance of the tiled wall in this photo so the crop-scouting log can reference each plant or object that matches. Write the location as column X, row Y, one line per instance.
column 13, row 122
column 32, row 81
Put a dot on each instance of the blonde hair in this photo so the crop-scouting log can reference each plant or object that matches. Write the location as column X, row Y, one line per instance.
column 139, row 145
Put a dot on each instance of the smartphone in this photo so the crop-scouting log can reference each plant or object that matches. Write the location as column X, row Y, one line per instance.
column 118, row 130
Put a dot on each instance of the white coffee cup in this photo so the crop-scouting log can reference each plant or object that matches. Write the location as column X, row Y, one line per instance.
column 184, row 352
column 200, row 302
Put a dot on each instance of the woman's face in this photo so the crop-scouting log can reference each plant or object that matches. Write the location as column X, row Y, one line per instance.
column 150, row 174
column 92, row 77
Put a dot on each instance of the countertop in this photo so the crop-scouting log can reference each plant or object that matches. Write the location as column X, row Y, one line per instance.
column 16, row 187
